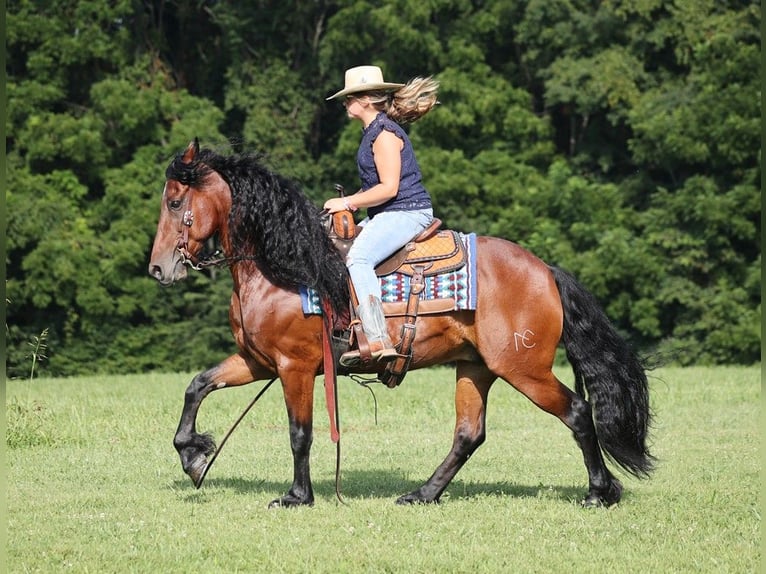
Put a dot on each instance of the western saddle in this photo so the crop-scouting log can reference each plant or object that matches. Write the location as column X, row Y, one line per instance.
column 432, row 252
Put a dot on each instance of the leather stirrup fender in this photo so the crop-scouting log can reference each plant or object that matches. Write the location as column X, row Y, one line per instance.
column 397, row 369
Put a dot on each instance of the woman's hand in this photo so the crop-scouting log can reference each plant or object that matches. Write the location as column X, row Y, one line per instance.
column 336, row 204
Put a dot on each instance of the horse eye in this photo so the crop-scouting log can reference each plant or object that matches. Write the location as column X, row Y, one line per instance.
column 174, row 204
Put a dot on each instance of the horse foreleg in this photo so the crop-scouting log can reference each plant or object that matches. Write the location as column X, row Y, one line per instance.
column 298, row 390
column 473, row 384
column 192, row 447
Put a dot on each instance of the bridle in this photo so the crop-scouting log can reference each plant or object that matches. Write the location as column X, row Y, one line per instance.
column 182, row 246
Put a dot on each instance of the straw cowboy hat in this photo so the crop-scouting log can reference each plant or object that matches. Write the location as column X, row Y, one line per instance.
column 364, row 79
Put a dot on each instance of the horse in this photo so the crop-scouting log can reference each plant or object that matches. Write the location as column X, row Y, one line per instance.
column 273, row 240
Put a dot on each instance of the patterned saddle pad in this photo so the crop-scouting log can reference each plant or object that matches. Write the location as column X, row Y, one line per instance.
column 458, row 284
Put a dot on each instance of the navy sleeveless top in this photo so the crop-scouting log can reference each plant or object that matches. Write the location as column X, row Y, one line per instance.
column 411, row 195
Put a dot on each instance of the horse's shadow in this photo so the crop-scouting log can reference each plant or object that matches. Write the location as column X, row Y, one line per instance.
column 380, row 483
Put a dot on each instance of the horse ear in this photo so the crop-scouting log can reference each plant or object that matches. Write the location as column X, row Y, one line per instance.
column 191, row 150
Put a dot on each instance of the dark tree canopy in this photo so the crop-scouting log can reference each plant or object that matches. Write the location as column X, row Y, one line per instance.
column 619, row 140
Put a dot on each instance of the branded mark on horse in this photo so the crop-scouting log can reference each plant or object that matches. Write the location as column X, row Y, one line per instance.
column 274, row 243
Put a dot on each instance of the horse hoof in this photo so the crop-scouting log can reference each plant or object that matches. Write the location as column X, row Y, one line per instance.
column 196, row 470
column 605, row 499
column 414, row 498
column 289, row 501
column 593, row 501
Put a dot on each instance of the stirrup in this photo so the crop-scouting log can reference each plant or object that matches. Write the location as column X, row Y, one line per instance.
column 354, row 358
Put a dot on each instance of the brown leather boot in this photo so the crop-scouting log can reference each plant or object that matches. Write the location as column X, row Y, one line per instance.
column 370, row 313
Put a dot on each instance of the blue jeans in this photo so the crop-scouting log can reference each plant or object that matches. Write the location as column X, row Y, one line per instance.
column 380, row 237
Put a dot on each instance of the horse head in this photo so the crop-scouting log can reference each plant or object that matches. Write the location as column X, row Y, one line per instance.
column 195, row 205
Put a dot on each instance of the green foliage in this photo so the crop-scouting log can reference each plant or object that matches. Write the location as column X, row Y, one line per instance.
column 619, row 140
column 278, row 115
column 37, row 354
column 82, row 201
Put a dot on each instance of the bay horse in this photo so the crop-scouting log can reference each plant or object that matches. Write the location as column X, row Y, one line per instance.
column 274, row 242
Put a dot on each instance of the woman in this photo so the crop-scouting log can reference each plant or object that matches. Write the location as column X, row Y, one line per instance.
column 398, row 206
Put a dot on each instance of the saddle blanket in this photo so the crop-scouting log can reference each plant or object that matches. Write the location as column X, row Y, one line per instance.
column 459, row 285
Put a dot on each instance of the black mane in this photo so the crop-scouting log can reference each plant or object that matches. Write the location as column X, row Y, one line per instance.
column 273, row 223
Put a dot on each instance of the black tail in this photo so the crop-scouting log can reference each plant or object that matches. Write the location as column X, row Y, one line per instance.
column 611, row 373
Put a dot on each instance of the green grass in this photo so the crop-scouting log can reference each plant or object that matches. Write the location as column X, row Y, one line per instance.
column 94, row 484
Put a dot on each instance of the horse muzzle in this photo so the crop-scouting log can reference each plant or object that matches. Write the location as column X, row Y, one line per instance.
column 170, row 271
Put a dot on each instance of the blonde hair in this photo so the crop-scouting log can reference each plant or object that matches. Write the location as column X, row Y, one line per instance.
column 410, row 102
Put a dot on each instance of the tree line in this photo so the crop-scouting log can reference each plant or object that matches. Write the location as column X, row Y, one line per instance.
column 617, row 139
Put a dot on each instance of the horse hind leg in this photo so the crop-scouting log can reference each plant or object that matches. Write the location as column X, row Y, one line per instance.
column 548, row 393
column 473, row 384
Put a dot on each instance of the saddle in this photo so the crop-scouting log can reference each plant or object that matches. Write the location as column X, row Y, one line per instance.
column 438, row 251
column 431, row 252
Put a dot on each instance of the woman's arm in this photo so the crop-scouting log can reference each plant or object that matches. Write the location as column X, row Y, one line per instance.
column 388, row 161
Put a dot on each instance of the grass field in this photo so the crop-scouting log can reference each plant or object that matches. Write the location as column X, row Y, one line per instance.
column 94, row 484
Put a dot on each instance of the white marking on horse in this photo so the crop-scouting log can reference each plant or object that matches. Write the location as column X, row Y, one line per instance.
column 524, row 339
